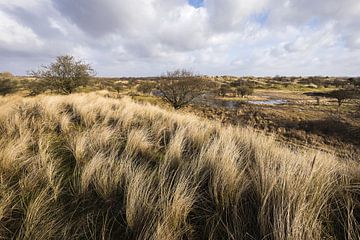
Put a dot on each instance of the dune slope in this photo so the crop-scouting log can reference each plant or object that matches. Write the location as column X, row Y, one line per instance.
column 88, row 167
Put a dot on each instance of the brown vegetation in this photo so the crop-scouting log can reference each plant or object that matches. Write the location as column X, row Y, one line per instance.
column 6, row 75
column 181, row 87
column 7, row 86
column 87, row 167
column 64, row 76
column 244, row 91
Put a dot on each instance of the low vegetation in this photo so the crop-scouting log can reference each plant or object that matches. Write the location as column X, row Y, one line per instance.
column 244, row 91
column 6, row 75
column 181, row 87
column 63, row 76
column 7, row 86
column 88, row 167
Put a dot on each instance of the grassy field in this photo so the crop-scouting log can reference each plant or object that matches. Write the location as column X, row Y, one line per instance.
column 301, row 121
column 89, row 167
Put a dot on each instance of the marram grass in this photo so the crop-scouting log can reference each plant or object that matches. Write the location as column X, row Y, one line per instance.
column 88, row 167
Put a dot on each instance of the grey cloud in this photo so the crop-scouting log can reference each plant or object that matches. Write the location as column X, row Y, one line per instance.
column 35, row 21
column 101, row 17
column 229, row 15
column 137, row 37
column 93, row 16
column 343, row 14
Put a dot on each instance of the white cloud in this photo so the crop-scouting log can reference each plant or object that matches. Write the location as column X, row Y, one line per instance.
column 227, row 15
column 15, row 37
column 25, row 4
column 148, row 37
column 59, row 26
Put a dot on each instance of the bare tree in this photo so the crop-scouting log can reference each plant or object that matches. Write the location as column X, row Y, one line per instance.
column 180, row 87
column 65, row 75
column 244, row 90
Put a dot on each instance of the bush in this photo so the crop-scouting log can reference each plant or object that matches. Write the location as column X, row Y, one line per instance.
column 65, row 75
column 6, row 75
column 341, row 95
column 146, row 87
column 35, row 86
column 340, row 83
column 244, row 91
column 224, row 89
column 7, row 86
column 180, row 87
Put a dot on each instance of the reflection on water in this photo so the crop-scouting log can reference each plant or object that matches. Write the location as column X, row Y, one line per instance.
column 269, row 102
column 233, row 104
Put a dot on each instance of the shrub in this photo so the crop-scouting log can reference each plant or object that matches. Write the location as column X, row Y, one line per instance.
column 341, row 95
column 224, row 89
column 244, row 91
column 340, row 83
column 64, row 75
column 146, row 87
column 35, row 86
column 6, row 75
column 180, row 87
column 7, row 86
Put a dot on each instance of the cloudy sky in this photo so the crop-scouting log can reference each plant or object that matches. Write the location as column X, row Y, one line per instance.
column 215, row 37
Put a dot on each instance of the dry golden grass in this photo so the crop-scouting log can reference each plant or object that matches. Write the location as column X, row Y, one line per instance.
column 89, row 167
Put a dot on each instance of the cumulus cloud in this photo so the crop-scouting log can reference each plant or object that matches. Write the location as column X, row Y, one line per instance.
column 229, row 15
column 148, row 37
column 17, row 37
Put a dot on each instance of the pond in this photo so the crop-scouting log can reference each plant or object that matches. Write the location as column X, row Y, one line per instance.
column 233, row 104
column 269, row 102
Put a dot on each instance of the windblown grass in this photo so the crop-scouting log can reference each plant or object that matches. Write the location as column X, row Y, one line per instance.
column 87, row 167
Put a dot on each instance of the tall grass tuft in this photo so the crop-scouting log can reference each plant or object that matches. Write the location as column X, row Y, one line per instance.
column 88, row 167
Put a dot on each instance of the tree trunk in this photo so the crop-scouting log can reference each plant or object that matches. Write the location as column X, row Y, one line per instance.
column 339, row 102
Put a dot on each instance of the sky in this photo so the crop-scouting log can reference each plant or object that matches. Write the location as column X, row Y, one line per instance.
column 213, row 37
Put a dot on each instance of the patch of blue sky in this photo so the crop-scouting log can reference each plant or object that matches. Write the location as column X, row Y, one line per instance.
column 260, row 18
column 314, row 23
column 196, row 3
